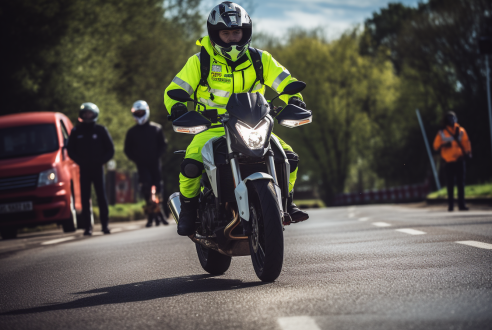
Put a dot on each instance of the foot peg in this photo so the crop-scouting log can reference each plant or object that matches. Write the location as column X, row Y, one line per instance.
column 286, row 219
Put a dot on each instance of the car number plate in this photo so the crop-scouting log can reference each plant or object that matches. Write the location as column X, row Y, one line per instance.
column 15, row 207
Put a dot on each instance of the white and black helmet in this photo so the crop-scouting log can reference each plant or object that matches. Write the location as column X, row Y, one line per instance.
column 230, row 16
column 140, row 112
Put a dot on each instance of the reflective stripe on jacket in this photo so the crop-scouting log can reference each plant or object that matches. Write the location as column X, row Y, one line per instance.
column 450, row 150
column 223, row 82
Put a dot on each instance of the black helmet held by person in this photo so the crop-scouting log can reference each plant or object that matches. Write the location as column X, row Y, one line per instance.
column 88, row 113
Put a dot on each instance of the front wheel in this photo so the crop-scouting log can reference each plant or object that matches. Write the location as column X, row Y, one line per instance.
column 266, row 243
column 212, row 261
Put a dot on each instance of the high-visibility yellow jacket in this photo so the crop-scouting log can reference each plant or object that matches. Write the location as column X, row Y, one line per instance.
column 223, row 82
column 450, row 150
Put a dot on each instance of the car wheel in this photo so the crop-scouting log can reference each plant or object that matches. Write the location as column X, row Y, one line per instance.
column 8, row 232
column 70, row 225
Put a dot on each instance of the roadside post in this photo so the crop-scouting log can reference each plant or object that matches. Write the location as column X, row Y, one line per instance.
column 485, row 46
column 438, row 184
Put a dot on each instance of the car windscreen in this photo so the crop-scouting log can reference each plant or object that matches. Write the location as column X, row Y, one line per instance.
column 27, row 140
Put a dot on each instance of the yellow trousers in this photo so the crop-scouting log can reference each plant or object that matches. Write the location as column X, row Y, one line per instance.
column 190, row 187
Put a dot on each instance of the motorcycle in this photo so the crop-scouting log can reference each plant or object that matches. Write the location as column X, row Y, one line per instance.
column 243, row 200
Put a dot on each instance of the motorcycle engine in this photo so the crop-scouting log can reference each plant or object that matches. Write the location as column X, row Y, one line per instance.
column 208, row 217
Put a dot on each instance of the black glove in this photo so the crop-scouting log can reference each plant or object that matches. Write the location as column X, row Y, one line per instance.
column 178, row 110
column 297, row 101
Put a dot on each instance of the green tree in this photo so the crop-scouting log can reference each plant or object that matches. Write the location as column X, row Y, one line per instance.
column 434, row 48
column 343, row 88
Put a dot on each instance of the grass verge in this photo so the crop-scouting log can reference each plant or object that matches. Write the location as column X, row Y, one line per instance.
column 472, row 191
column 123, row 212
column 309, row 203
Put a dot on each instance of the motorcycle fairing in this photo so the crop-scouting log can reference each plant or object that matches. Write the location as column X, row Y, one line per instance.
column 250, row 108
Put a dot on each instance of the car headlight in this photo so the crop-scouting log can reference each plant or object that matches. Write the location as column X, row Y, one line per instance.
column 254, row 138
column 48, row 177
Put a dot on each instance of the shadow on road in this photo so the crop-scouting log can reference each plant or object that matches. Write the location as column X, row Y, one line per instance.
column 142, row 291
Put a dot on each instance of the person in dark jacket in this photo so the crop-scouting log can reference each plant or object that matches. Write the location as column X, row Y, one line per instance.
column 91, row 146
column 144, row 145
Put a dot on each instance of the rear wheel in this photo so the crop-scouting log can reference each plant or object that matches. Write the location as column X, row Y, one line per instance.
column 266, row 243
column 212, row 261
column 70, row 225
column 8, row 232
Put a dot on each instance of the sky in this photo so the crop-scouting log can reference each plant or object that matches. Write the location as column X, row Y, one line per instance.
column 275, row 17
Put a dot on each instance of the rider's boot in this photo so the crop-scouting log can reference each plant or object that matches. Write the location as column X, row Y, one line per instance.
column 296, row 214
column 187, row 216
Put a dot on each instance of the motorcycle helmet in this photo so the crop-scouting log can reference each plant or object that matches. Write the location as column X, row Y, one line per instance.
column 230, row 16
column 88, row 113
column 140, row 112
column 450, row 119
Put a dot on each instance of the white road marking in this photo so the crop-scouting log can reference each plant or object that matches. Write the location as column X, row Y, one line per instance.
column 351, row 209
column 58, row 240
column 381, row 224
column 97, row 233
column 132, row 227
column 364, row 219
column 115, row 230
column 411, row 231
column 351, row 215
column 297, row 323
column 476, row 244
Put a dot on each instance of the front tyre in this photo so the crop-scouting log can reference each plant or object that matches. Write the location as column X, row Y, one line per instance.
column 212, row 261
column 266, row 243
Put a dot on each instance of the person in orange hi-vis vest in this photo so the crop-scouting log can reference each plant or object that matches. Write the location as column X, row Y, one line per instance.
column 455, row 147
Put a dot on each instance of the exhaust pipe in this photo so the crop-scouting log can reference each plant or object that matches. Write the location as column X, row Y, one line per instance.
column 174, row 205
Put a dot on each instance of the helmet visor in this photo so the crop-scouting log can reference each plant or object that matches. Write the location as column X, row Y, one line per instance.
column 139, row 113
column 87, row 115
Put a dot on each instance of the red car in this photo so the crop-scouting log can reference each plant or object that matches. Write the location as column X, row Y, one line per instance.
column 39, row 183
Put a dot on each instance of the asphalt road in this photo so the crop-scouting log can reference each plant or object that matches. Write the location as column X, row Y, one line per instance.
column 374, row 267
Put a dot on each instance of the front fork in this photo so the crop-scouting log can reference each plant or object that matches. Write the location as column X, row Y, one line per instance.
column 236, row 173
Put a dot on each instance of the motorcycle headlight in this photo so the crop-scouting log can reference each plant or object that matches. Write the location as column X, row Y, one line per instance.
column 254, row 138
column 48, row 177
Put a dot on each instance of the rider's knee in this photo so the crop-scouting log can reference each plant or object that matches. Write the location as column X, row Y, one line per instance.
column 293, row 159
column 191, row 168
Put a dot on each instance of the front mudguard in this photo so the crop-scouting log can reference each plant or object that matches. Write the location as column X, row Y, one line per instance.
column 241, row 193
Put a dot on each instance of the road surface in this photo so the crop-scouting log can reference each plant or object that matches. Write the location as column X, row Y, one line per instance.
column 371, row 267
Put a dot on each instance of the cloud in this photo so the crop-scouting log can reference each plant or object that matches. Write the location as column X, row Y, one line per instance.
column 275, row 17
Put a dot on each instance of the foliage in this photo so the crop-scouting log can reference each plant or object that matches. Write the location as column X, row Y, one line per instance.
column 434, row 50
column 343, row 89
column 363, row 88
column 112, row 53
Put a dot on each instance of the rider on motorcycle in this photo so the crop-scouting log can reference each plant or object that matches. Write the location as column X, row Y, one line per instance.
column 231, row 71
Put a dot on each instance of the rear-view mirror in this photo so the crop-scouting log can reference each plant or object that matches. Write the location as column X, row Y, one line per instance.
column 179, row 95
column 294, row 87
